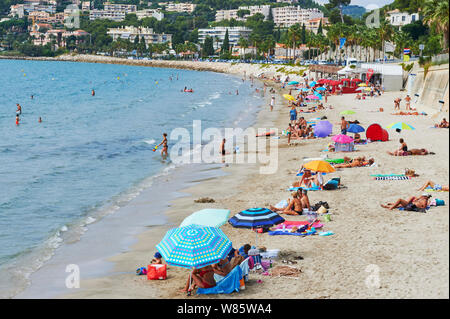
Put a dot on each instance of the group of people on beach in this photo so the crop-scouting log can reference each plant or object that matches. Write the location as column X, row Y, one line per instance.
column 19, row 113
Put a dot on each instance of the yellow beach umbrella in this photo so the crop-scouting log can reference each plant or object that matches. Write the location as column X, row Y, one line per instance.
column 319, row 166
column 362, row 84
column 367, row 89
column 289, row 97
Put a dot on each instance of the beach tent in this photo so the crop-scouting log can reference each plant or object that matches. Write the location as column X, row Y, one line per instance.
column 343, row 143
column 207, row 217
column 376, row 133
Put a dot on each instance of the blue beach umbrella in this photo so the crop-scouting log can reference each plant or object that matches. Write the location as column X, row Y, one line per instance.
column 401, row 126
column 318, row 95
column 194, row 246
column 321, row 88
column 293, row 83
column 355, row 128
column 255, row 217
column 312, row 83
column 207, row 217
column 306, row 90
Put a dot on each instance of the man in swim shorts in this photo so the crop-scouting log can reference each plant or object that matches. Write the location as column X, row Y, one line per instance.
column 344, row 126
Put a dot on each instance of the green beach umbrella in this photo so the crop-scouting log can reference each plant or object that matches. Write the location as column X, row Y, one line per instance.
column 207, row 217
column 401, row 126
column 347, row 112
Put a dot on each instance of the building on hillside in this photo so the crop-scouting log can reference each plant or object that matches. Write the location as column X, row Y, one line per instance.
column 150, row 13
column 17, row 10
column 287, row 1
column 264, row 10
column 58, row 36
column 313, row 24
column 288, row 16
column 238, row 51
column 130, row 33
column 227, row 15
column 86, row 6
column 178, row 7
column 45, row 17
column 399, row 19
column 218, row 34
column 128, row 8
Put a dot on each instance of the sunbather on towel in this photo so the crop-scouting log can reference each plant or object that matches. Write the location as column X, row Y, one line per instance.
column 435, row 187
column 304, row 198
column 412, row 204
column 419, row 151
column 294, row 207
column 443, row 124
column 357, row 162
column 223, row 267
column 203, row 278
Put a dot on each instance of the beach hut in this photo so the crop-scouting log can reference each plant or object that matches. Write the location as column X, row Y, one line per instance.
column 376, row 133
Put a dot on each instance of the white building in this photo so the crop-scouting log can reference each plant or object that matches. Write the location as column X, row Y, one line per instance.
column 233, row 14
column 227, row 15
column 128, row 8
column 17, row 10
column 287, row 1
column 399, row 19
column 150, row 13
column 86, row 6
column 130, row 33
column 288, row 16
column 178, row 7
column 112, row 11
column 218, row 34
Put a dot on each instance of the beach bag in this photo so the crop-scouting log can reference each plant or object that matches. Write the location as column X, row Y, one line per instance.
column 157, row 272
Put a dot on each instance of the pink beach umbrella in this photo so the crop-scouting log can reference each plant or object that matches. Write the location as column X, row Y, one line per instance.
column 312, row 97
column 343, row 139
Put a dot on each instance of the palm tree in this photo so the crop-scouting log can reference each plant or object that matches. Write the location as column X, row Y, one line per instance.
column 294, row 34
column 436, row 14
column 385, row 32
column 402, row 40
column 243, row 43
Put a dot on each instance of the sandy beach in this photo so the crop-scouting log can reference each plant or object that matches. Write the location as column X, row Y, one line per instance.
column 409, row 250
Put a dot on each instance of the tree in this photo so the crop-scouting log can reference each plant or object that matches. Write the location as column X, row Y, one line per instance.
column 319, row 30
column 243, row 13
column 226, row 43
column 243, row 43
column 436, row 15
column 338, row 4
column 208, row 47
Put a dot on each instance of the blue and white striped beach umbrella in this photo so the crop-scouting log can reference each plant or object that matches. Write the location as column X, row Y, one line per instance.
column 255, row 217
column 194, row 246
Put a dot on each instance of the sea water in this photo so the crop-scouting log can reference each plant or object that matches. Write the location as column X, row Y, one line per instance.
column 91, row 155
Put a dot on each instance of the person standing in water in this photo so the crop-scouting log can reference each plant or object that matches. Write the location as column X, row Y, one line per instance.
column 40, row 120
column 222, row 147
column 272, row 103
column 19, row 109
column 164, row 143
column 93, row 92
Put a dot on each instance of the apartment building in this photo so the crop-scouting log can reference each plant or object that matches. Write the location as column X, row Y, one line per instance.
column 178, row 7
column 218, row 34
column 399, row 19
column 86, row 6
column 233, row 14
column 150, row 13
column 288, row 16
column 227, row 15
column 130, row 33
column 113, row 11
column 313, row 24
column 128, row 8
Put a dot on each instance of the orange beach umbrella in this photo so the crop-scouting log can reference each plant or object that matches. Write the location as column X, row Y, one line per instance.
column 319, row 166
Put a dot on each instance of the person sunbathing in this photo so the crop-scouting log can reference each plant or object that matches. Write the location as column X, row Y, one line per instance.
column 443, row 124
column 294, row 206
column 357, row 139
column 203, row 278
column 412, row 204
column 419, row 151
column 223, row 267
column 402, row 150
column 357, row 162
column 434, row 186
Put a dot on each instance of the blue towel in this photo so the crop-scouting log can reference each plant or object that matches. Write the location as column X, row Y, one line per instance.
column 294, row 189
column 280, row 232
column 226, row 286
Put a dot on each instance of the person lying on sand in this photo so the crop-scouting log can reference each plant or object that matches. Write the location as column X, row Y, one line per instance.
column 436, row 187
column 412, row 204
column 357, row 162
column 402, row 150
column 294, row 207
column 419, row 151
column 203, row 278
column 443, row 124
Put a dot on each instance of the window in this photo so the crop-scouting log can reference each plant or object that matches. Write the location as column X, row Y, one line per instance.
column 413, row 18
column 403, row 18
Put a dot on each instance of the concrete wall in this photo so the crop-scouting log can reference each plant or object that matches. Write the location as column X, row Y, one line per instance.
column 431, row 89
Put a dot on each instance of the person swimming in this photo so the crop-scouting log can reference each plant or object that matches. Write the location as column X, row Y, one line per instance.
column 40, row 120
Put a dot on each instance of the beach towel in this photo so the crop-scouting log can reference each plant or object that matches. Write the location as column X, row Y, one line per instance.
column 282, row 204
column 287, row 232
column 290, row 224
column 392, row 178
column 294, row 189
column 227, row 285
column 386, row 175
column 285, row 271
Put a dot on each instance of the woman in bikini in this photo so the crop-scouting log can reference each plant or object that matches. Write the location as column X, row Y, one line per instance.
column 436, row 187
column 412, row 204
column 294, row 207
column 203, row 278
